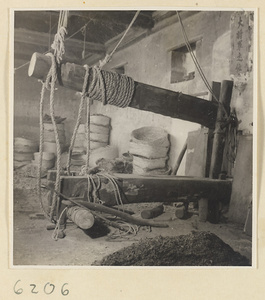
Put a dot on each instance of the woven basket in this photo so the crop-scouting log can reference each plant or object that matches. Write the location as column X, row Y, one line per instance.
column 147, row 151
column 98, row 137
column 51, row 147
column 96, row 145
column 148, row 135
column 23, row 156
column 49, row 134
column 49, row 127
column 155, row 172
column 25, row 145
column 108, row 152
column 100, row 120
column 45, row 156
column 150, row 164
column 99, row 129
column 46, row 164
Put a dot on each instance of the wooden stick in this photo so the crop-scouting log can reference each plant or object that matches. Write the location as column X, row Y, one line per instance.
column 179, row 160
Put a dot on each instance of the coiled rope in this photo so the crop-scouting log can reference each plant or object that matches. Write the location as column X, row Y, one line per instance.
column 111, row 88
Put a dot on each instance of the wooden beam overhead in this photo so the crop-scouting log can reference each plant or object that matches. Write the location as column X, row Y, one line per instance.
column 146, row 97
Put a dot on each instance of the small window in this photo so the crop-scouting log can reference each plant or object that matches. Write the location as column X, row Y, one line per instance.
column 182, row 65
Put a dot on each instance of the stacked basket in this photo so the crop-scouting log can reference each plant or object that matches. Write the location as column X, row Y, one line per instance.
column 24, row 151
column 149, row 147
column 79, row 146
column 49, row 144
column 99, row 137
column 99, row 131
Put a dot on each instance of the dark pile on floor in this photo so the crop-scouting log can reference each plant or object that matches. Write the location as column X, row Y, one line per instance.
column 195, row 249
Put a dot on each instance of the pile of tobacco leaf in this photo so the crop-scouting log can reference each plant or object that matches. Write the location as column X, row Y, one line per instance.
column 195, row 249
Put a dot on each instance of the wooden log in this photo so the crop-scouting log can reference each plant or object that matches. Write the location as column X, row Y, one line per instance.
column 219, row 133
column 152, row 213
column 81, row 217
column 126, row 217
column 139, row 189
column 146, row 97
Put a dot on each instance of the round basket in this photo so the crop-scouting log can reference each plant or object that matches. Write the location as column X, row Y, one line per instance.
column 155, row 172
column 98, row 137
column 78, row 150
column 100, row 120
column 49, row 136
column 96, row 145
column 81, row 128
column 148, row 151
column 25, row 145
column 46, row 164
column 99, row 129
column 23, row 156
column 49, row 127
column 150, row 164
column 45, row 156
column 108, row 152
column 50, row 147
column 148, row 135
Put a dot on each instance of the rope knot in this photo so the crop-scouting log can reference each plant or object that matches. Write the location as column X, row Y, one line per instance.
column 58, row 44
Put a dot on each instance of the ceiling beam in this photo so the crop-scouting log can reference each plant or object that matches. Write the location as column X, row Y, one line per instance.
column 120, row 17
column 32, row 40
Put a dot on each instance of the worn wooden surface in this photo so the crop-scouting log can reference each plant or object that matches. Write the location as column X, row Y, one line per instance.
column 219, row 132
column 140, row 189
column 146, row 97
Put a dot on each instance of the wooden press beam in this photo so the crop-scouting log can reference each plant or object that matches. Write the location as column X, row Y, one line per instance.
column 146, row 97
column 139, row 189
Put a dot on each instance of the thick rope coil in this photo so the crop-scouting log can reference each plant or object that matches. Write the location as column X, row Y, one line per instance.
column 81, row 108
column 111, row 88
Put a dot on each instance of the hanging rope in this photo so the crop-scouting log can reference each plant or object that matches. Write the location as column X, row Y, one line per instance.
column 109, row 56
column 58, row 43
column 87, row 132
column 81, row 108
column 53, row 78
column 41, row 152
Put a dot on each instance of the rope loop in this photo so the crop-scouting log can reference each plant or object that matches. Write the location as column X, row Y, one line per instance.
column 58, row 44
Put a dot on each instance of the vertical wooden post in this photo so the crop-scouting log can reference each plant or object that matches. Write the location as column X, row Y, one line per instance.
column 219, row 142
column 219, row 133
column 216, row 87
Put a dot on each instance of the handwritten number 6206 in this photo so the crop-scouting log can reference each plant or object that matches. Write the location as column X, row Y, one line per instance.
column 48, row 289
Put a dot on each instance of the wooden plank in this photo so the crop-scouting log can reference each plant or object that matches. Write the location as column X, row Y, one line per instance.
column 139, row 189
column 146, row 97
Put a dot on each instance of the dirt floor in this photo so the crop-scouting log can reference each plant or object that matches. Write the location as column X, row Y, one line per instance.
column 34, row 245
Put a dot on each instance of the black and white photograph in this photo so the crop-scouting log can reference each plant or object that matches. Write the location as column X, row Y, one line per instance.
column 133, row 138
